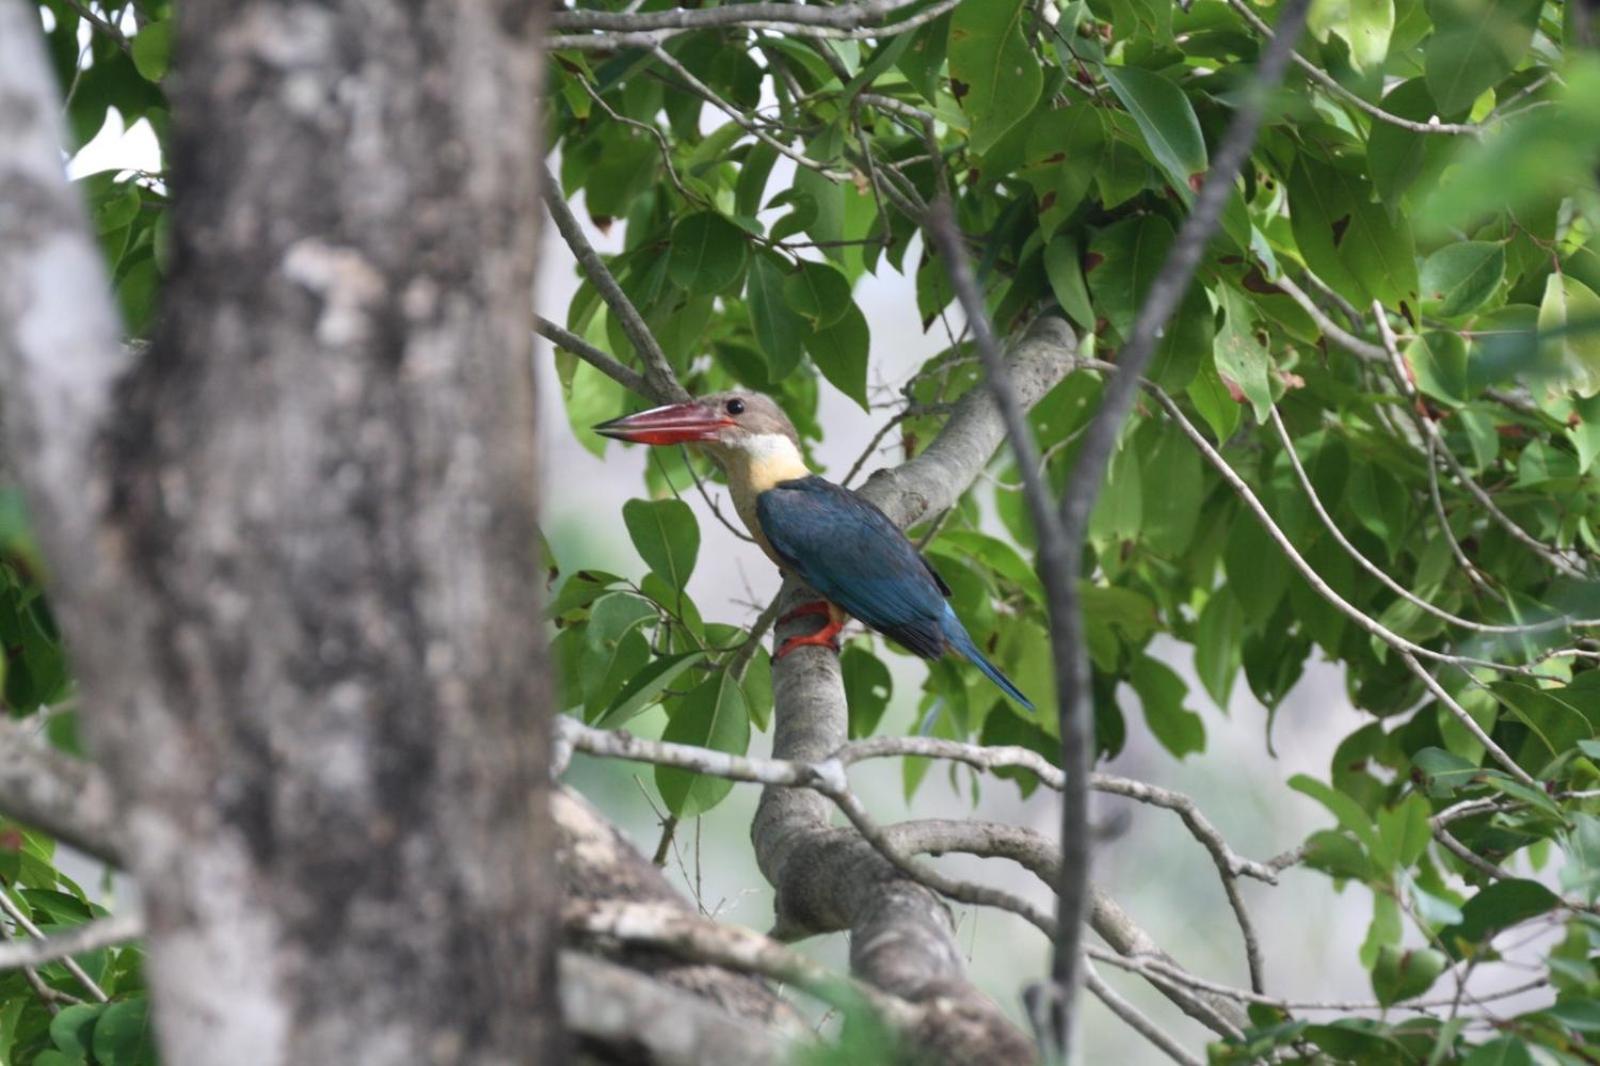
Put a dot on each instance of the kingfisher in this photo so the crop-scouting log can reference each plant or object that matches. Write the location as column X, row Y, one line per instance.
column 833, row 539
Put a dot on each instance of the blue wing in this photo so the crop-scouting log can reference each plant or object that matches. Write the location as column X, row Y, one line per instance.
column 851, row 553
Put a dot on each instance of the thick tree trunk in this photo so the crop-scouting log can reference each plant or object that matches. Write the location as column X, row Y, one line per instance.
column 296, row 554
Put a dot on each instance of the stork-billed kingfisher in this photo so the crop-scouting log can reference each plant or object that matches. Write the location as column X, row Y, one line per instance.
column 833, row 539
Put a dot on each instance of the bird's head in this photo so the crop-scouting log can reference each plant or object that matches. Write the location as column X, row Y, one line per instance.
column 732, row 425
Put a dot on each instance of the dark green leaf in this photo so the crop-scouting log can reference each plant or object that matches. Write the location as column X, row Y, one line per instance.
column 779, row 331
column 867, row 689
column 708, row 253
column 993, row 72
column 666, row 536
column 713, row 716
column 840, row 352
column 644, row 689
column 1161, row 695
column 1460, row 278
column 1167, row 121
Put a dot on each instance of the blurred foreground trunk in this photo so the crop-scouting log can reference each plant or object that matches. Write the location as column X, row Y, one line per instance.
column 293, row 546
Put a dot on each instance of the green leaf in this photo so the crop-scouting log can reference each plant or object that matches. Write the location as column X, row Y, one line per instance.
column 994, row 72
column 1366, row 25
column 1219, row 639
column 73, row 1029
column 1385, row 929
column 1557, row 724
column 1569, row 327
column 708, row 253
column 644, row 689
column 1475, row 44
column 779, row 331
column 1161, row 695
column 867, row 689
column 666, row 536
column 1064, row 267
column 1342, row 807
column 1502, row 1051
column 840, row 352
column 1438, row 358
column 1347, row 239
column 57, row 1058
column 1401, row 975
column 152, row 49
column 1443, row 771
column 713, row 716
column 1241, row 353
column 1459, row 278
column 1500, row 905
column 1214, row 402
column 1405, row 829
column 1167, row 121
column 123, row 1037
column 1127, row 256
column 818, row 292
column 1398, row 158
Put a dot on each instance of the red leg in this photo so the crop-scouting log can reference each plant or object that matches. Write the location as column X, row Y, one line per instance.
column 814, row 607
column 826, row 637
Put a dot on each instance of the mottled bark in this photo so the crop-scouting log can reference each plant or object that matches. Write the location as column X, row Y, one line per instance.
column 295, row 555
column 598, row 864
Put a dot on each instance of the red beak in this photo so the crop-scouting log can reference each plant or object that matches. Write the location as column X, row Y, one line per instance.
column 679, row 423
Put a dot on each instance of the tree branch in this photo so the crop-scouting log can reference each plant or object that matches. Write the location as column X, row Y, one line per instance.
column 80, row 939
column 68, row 798
column 663, row 383
column 616, row 1006
column 625, row 376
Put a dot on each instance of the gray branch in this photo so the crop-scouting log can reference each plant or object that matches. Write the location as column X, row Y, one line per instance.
column 616, row 1007
column 68, row 798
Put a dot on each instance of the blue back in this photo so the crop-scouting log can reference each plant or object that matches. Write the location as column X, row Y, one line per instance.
column 851, row 553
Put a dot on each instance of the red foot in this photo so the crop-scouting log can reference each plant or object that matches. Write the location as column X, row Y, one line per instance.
column 814, row 607
column 826, row 637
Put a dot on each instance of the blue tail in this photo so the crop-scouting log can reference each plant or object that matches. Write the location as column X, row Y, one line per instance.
column 961, row 642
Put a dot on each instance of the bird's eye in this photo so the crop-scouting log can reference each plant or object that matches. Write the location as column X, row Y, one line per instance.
column 734, row 407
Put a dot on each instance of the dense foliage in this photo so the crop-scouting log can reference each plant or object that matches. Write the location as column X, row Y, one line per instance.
column 1442, row 165
column 1071, row 141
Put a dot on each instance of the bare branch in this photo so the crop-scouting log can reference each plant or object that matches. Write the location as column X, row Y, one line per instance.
column 625, row 376
column 1083, row 487
column 1137, row 1021
column 703, row 940
column 664, row 386
column 60, row 947
column 68, row 798
column 17, row 915
column 734, row 16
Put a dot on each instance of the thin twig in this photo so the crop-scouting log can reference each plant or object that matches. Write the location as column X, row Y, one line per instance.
column 1376, row 571
column 1425, row 425
column 663, row 383
column 1323, row 78
column 1166, row 292
column 625, row 376
column 74, row 944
